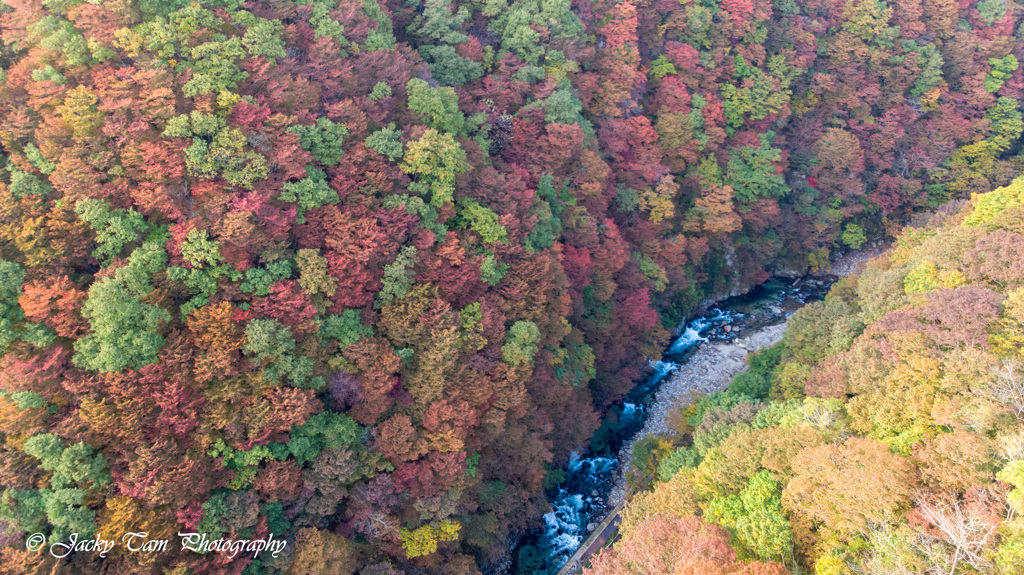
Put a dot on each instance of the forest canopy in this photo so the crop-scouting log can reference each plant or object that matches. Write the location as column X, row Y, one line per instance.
column 361, row 273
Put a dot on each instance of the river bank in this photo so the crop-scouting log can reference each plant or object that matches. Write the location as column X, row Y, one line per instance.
column 708, row 352
column 709, row 369
column 712, row 366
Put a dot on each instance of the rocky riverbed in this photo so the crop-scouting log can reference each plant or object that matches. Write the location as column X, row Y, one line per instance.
column 709, row 369
column 712, row 366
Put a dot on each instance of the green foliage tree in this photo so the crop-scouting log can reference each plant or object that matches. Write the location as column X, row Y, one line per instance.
column 482, row 221
column 416, row 206
column 258, row 281
column 755, row 98
column 125, row 330
column 448, row 67
column 520, row 343
column 386, row 141
column 214, row 67
column 324, row 25
column 323, row 139
column 756, row 382
column 853, row 236
column 682, row 457
column 309, row 193
column 381, row 91
column 563, row 107
column 821, row 329
column 931, row 66
column 751, row 172
column 273, row 348
column 756, row 518
column 436, row 107
column 435, row 159
column 33, row 155
column 61, row 36
column 491, row 270
column 662, row 67
column 1007, row 124
column 217, row 150
column 440, row 23
column 518, row 24
column 11, row 277
column 114, row 228
column 383, row 38
column 992, row 10
column 75, row 471
column 49, row 74
column 203, row 255
column 325, row 430
column 1002, row 70
column 26, row 184
column 346, row 328
column 268, row 340
column 262, row 37
column 398, row 277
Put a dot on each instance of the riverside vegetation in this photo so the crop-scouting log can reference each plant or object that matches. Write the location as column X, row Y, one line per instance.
column 883, row 434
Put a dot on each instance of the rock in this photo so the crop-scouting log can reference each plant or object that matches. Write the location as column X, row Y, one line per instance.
column 728, row 328
column 591, row 527
column 710, row 368
column 593, row 493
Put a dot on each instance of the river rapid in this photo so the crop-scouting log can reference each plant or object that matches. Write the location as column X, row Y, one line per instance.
column 594, row 477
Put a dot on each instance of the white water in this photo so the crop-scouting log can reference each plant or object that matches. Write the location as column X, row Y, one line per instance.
column 661, row 369
column 629, row 412
column 565, row 526
column 694, row 332
column 562, row 529
column 597, row 464
column 689, row 338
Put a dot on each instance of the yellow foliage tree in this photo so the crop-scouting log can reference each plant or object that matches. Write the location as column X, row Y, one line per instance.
column 659, row 201
column 318, row 551
column 79, row 112
column 1008, row 339
column 313, row 276
column 675, row 498
column 424, row 540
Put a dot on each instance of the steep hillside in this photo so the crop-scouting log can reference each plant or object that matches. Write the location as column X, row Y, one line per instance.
column 884, row 434
column 361, row 273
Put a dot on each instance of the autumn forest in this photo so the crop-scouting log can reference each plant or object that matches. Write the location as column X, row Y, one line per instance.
column 362, row 274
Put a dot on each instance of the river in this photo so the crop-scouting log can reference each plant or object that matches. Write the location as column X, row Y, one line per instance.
column 593, row 481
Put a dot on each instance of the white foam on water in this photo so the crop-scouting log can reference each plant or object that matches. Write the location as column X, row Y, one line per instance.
column 661, row 369
column 694, row 332
column 565, row 524
column 690, row 338
column 601, row 465
column 563, row 531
